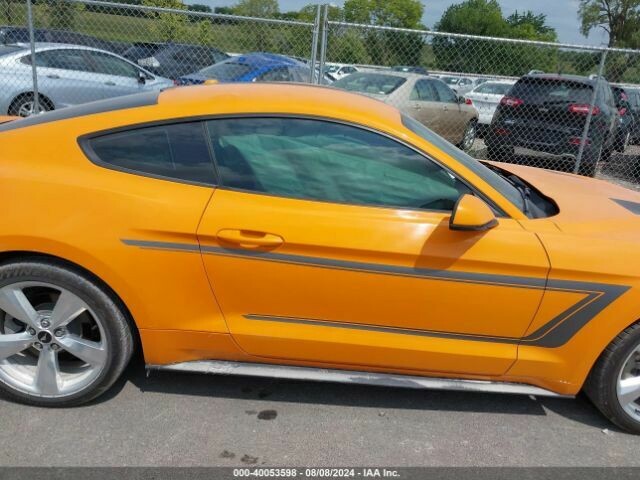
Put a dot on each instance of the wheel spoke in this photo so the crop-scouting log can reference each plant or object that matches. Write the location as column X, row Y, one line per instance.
column 46, row 381
column 67, row 308
column 14, row 302
column 629, row 390
column 13, row 343
column 93, row 353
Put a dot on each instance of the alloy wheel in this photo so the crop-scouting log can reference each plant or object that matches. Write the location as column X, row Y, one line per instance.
column 628, row 385
column 469, row 135
column 52, row 344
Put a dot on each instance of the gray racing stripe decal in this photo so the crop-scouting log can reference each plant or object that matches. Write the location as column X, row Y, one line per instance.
column 554, row 333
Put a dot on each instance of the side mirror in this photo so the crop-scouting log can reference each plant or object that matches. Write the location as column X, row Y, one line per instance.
column 472, row 214
column 142, row 78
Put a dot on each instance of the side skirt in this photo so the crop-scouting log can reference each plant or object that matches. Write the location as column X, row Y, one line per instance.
column 354, row 377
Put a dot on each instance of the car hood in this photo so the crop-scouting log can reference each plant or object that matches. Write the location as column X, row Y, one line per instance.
column 586, row 205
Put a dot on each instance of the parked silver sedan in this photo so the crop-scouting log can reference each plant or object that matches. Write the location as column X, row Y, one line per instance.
column 67, row 75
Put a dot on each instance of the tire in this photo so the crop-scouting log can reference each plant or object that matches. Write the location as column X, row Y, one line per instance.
column 88, row 322
column 590, row 161
column 622, row 142
column 602, row 383
column 469, row 135
column 23, row 105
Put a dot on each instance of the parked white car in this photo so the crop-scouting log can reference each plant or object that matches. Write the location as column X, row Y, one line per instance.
column 461, row 85
column 338, row 71
column 486, row 98
column 67, row 75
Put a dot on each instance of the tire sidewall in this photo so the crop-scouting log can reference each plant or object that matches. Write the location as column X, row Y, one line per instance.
column 114, row 325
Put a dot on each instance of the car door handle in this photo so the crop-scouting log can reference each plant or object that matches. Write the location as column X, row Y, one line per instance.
column 111, row 84
column 55, row 77
column 249, row 238
column 417, row 106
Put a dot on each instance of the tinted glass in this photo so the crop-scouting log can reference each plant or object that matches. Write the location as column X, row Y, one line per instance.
column 281, row 74
column 66, row 59
column 445, row 94
column 8, row 49
column 110, row 65
column 424, row 91
column 543, row 90
column 451, row 80
column 374, row 83
column 318, row 160
column 176, row 151
column 493, row 88
column 226, row 71
column 492, row 178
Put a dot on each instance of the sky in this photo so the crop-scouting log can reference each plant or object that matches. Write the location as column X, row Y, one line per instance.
column 561, row 14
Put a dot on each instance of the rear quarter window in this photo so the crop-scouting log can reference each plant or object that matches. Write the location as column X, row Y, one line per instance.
column 179, row 152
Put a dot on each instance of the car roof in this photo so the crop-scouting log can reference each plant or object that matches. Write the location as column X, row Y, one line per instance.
column 266, row 99
column 42, row 46
column 560, row 76
column 393, row 73
column 261, row 59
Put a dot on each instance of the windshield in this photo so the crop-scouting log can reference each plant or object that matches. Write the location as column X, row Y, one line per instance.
column 494, row 88
column 8, row 49
column 450, row 80
column 544, row 90
column 373, row 83
column 492, row 178
column 226, row 71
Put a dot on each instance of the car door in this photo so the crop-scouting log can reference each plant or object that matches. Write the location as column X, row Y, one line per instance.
column 423, row 105
column 454, row 118
column 330, row 243
column 66, row 75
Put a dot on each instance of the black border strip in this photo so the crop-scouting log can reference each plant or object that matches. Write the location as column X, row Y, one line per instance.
column 555, row 333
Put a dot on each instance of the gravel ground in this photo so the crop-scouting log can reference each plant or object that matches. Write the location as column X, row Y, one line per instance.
column 196, row 420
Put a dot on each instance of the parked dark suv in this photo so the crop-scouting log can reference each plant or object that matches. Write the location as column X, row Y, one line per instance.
column 173, row 60
column 547, row 113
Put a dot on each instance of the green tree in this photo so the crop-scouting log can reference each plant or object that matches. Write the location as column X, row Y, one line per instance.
column 257, row 8
column 308, row 13
column 485, row 18
column 619, row 18
column 384, row 47
column 61, row 14
column 168, row 27
column 388, row 13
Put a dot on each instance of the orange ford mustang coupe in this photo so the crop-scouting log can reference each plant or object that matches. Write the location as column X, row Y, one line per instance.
column 308, row 233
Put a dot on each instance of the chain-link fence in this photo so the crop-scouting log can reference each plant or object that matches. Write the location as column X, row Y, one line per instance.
column 566, row 107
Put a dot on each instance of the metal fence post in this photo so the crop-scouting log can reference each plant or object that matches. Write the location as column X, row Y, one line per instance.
column 314, row 45
column 34, row 70
column 592, row 104
column 323, row 44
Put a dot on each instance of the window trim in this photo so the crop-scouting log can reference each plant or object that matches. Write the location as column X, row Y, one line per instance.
column 84, row 143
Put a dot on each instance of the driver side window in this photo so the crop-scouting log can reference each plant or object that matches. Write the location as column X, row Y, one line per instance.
column 326, row 161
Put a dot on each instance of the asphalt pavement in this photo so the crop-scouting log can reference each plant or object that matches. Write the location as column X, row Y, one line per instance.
column 172, row 419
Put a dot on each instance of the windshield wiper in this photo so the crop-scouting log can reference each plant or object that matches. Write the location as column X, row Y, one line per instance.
column 522, row 188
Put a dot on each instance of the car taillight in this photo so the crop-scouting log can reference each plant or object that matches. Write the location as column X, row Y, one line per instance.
column 468, row 101
column 583, row 109
column 511, row 101
column 578, row 140
column 501, row 131
column 622, row 111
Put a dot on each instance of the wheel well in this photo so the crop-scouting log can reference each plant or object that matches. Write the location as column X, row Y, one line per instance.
column 43, row 98
column 17, row 256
